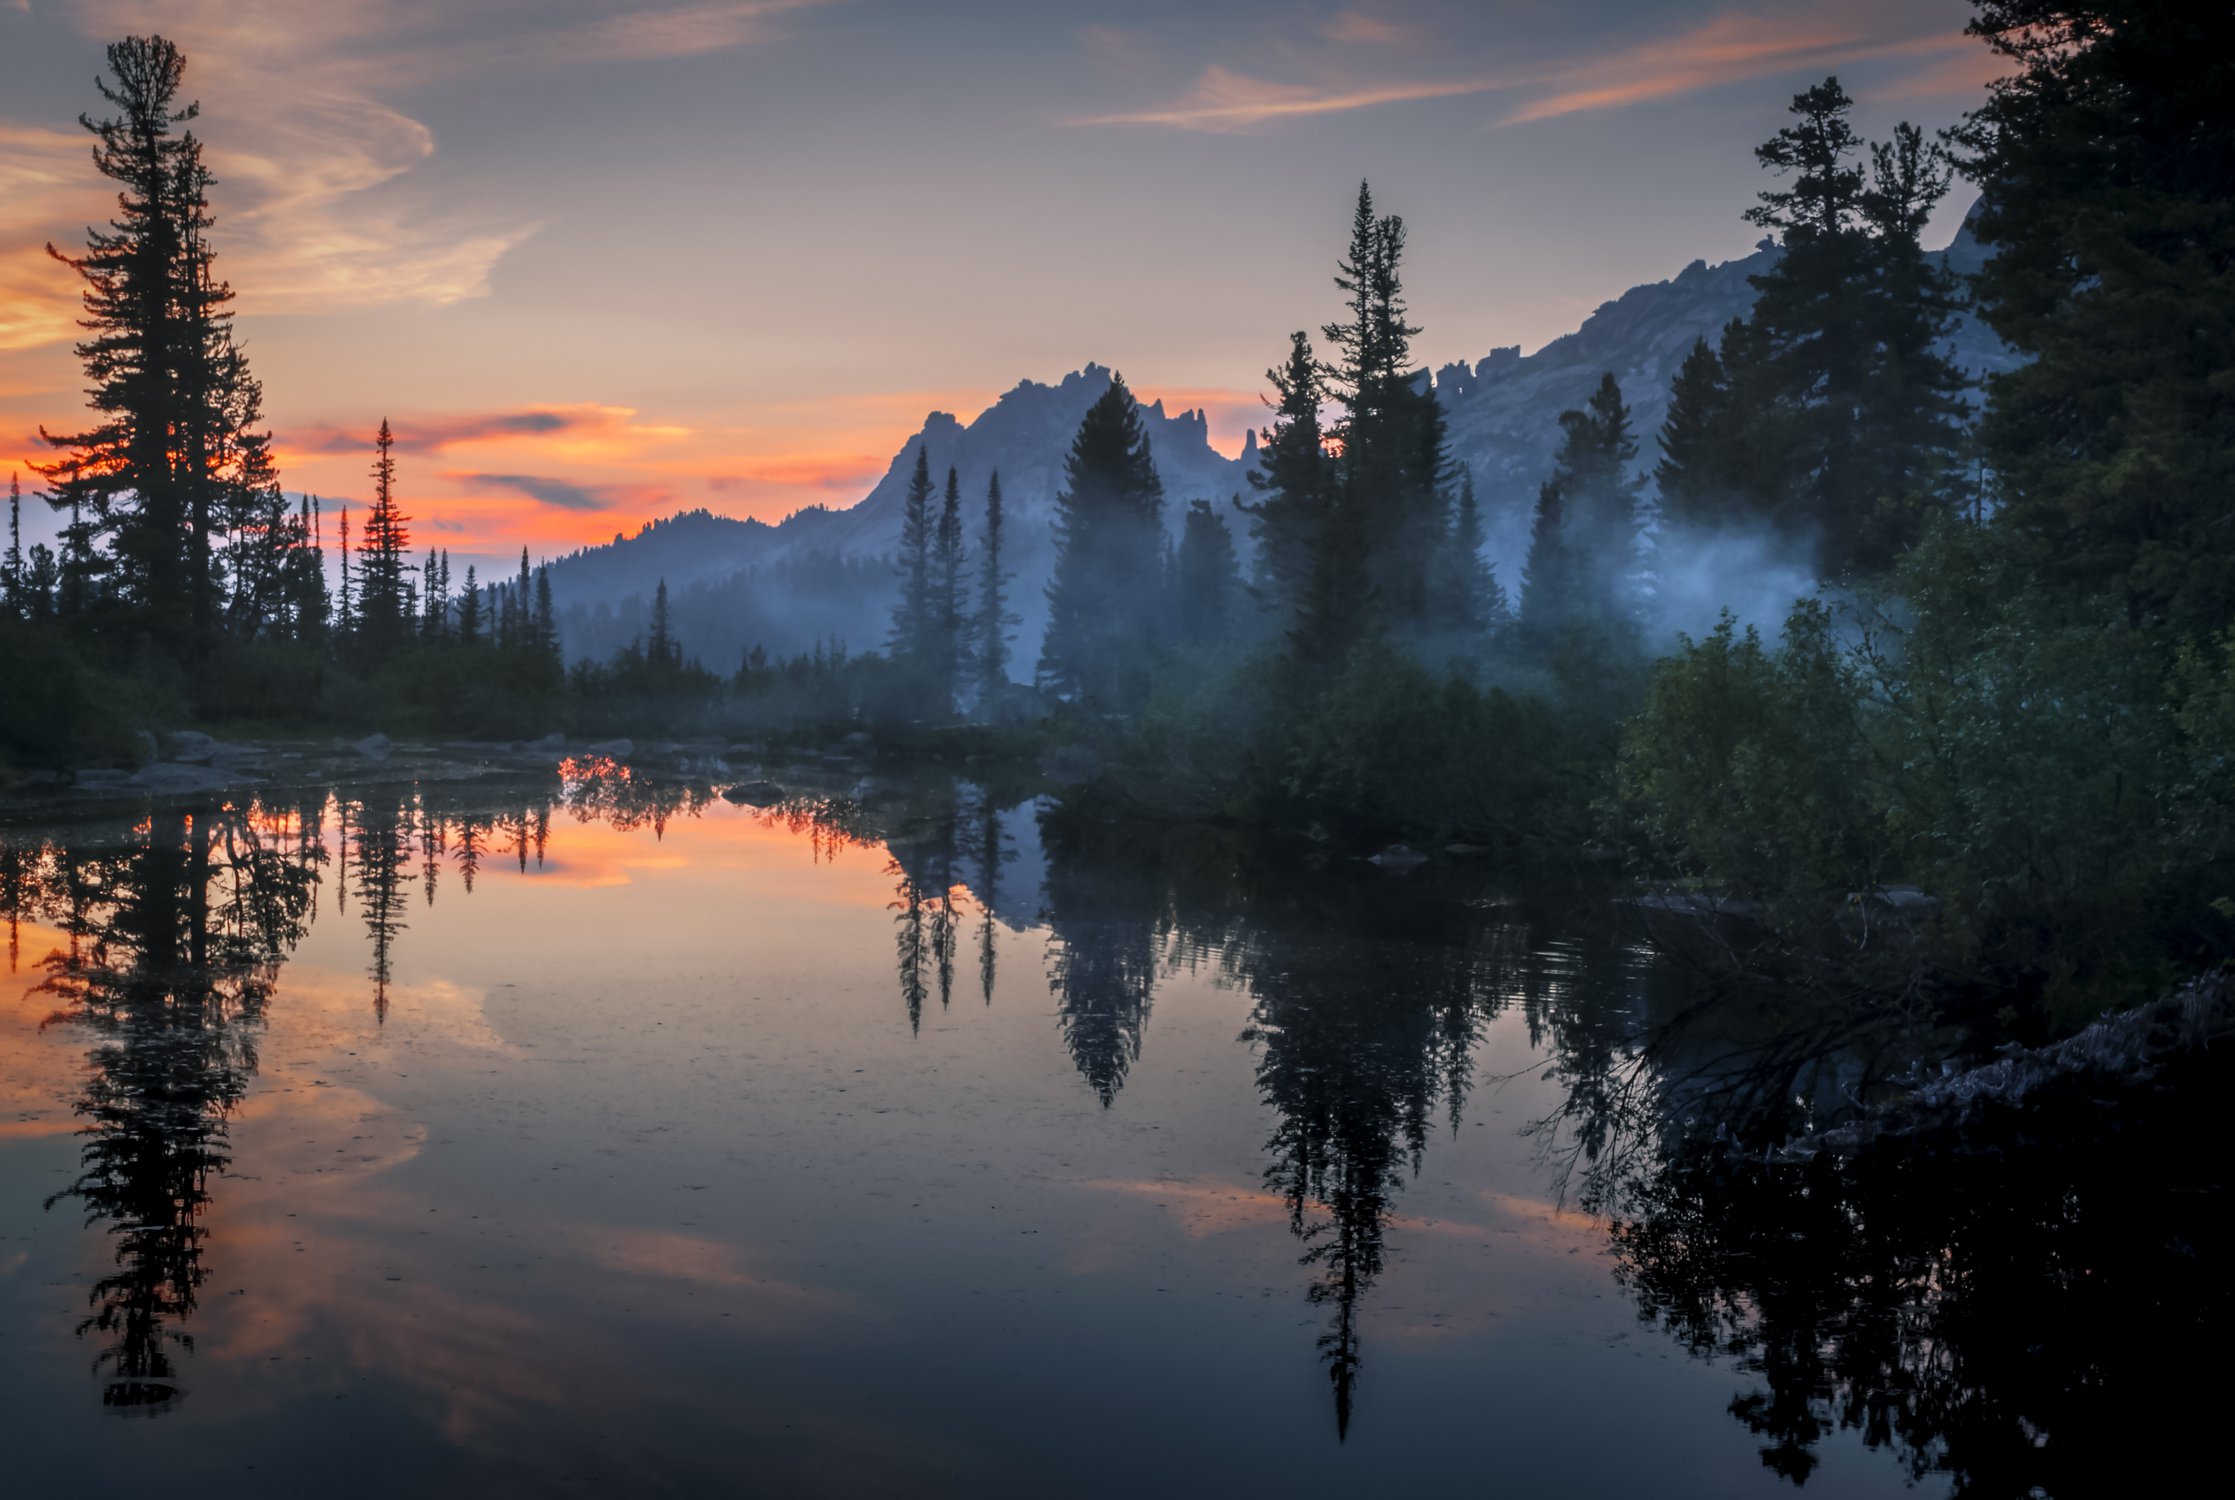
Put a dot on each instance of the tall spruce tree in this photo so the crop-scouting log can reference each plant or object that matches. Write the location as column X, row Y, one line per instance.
column 1102, row 599
column 659, row 647
column 174, row 448
column 309, row 608
column 1206, row 580
column 1584, row 544
column 1471, row 598
column 1291, row 483
column 1388, row 512
column 990, row 629
column 469, row 611
column 949, row 607
column 383, row 605
column 910, row 639
column 2105, row 162
column 345, row 608
column 1695, row 492
column 11, row 569
column 1840, row 413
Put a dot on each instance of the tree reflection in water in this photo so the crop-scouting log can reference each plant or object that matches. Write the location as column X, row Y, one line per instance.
column 2017, row 1304
column 2007, row 1307
column 175, row 941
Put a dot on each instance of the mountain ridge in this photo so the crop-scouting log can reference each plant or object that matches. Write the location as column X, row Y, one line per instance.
column 1503, row 412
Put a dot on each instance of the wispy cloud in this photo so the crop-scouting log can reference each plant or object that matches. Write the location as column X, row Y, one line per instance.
column 846, row 473
column 433, row 434
column 565, row 494
column 1726, row 49
column 43, row 180
column 322, row 203
column 1226, row 100
column 1357, row 28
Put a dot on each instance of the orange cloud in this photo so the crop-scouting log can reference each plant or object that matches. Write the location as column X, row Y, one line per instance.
column 1225, row 100
column 1727, row 49
column 1355, row 28
column 300, row 137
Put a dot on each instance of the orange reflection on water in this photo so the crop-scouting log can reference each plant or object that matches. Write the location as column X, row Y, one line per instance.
column 41, row 1067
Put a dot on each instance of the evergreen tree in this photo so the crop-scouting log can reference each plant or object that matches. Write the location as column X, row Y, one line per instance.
column 546, row 619
column 174, row 457
column 345, row 610
column 11, row 569
column 308, row 607
column 1291, row 483
column 1472, row 599
column 911, row 616
column 1206, row 579
column 1847, row 409
column 469, row 611
column 1584, row 544
column 80, row 572
column 435, row 603
column 990, row 631
column 1694, row 491
column 2105, row 163
column 948, row 606
column 383, row 606
column 660, row 648
column 520, row 609
column 1549, row 577
column 1392, row 433
column 1108, row 532
column 42, row 580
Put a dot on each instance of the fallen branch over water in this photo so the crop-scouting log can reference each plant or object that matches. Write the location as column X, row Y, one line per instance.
column 2124, row 1051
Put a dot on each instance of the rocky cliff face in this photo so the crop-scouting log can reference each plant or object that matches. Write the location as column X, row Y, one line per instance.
column 1504, row 413
column 1026, row 435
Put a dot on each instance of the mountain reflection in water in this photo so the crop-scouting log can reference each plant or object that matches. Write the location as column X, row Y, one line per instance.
column 1995, row 1319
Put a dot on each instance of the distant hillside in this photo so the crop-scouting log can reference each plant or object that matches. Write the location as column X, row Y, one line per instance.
column 817, row 574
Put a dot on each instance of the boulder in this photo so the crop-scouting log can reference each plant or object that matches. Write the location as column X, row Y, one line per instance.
column 172, row 778
column 189, row 747
column 1398, row 858
column 612, row 749
column 754, row 794
column 372, row 747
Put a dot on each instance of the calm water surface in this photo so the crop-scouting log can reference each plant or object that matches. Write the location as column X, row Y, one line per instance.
column 603, row 1136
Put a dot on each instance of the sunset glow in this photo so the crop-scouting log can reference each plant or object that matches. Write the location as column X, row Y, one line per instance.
column 396, row 258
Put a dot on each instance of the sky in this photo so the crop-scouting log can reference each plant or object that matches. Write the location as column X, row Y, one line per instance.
column 602, row 260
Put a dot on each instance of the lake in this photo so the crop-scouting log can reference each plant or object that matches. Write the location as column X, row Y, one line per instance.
column 595, row 1133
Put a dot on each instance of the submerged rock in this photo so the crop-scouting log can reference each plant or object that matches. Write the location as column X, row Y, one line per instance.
column 1399, row 858
column 171, row 777
column 373, row 747
column 189, row 747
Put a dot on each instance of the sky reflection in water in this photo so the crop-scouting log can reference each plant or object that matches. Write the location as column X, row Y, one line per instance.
column 607, row 1135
